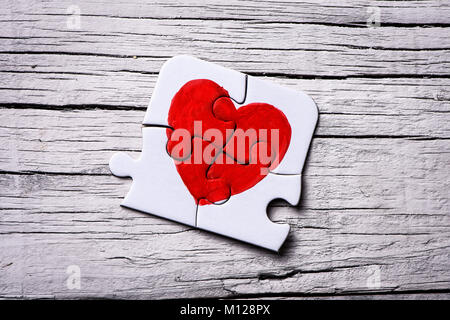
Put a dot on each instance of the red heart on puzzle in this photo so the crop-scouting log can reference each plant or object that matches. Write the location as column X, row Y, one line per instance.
column 219, row 150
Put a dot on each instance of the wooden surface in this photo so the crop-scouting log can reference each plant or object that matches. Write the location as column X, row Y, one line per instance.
column 373, row 221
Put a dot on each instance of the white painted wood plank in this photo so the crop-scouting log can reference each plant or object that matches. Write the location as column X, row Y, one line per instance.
column 83, row 141
column 416, row 191
column 49, row 222
column 352, row 12
column 47, row 79
column 275, row 48
column 374, row 296
column 145, row 36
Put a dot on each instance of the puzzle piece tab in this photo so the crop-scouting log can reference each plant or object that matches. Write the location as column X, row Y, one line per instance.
column 157, row 187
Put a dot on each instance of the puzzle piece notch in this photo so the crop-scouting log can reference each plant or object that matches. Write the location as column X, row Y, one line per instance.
column 179, row 70
column 244, row 216
column 157, row 188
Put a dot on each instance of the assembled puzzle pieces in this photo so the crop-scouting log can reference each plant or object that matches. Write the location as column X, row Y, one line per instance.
column 203, row 112
column 227, row 144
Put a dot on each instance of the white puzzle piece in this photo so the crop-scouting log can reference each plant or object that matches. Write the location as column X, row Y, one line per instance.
column 301, row 112
column 157, row 187
column 244, row 216
column 180, row 69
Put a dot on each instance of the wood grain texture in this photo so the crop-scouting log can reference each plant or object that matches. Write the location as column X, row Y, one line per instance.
column 375, row 202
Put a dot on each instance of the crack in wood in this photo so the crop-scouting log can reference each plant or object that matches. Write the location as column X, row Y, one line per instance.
column 338, row 293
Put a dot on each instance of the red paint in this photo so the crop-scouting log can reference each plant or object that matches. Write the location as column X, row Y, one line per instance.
column 196, row 100
column 229, row 172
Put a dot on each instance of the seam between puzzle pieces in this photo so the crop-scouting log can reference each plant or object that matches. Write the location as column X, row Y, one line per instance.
column 221, row 149
column 245, row 91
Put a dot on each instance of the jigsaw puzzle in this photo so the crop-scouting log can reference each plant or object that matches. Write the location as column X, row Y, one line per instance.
column 218, row 146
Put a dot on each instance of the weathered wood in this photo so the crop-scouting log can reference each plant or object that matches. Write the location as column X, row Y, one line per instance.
column 290, row 49
column 351, row 12
column 393, row 170
column 82, row 141
column 374, row 296
column 375, row 186
column 365, row 202
column 50, row 221
column 71, row 83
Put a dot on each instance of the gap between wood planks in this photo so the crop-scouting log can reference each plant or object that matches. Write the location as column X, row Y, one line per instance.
column 282, row 75
column 356, row 294
column 353, row 24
